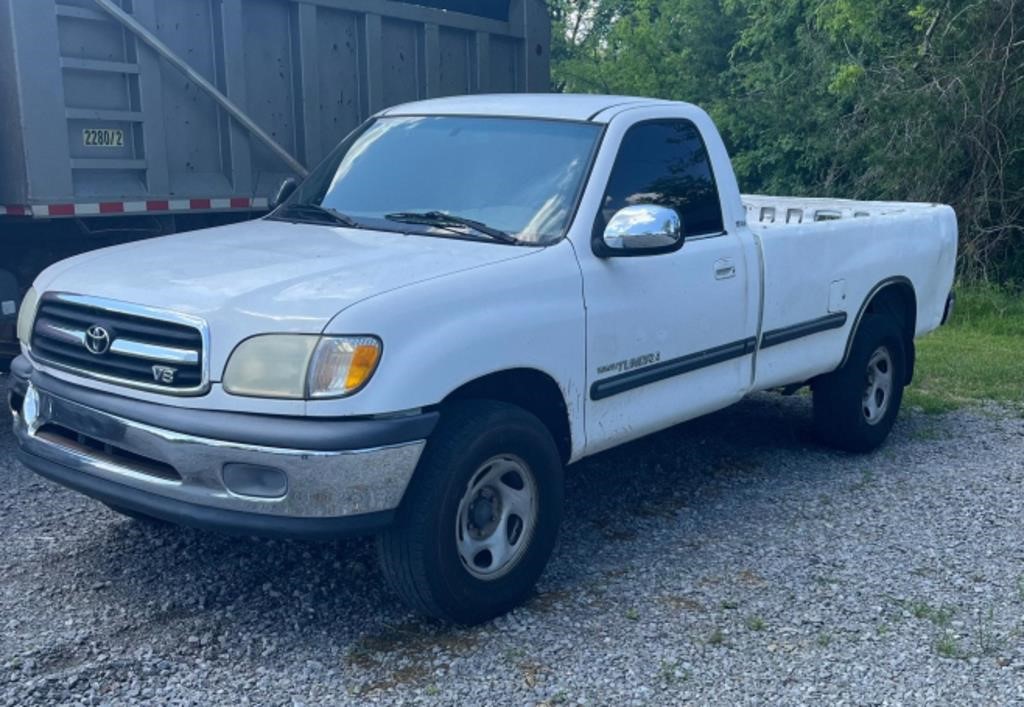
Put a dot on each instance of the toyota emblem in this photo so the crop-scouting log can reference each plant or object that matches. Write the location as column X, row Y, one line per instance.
column 97, row 340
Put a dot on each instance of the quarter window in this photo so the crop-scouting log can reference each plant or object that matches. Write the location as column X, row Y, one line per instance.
column 665, row 162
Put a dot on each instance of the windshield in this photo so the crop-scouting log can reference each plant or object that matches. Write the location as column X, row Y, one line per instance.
column 521, row 177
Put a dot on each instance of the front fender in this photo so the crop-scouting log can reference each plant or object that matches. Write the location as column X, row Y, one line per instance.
column 438, row 335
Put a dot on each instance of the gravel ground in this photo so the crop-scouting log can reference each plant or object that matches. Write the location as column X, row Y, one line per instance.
column 730, row 561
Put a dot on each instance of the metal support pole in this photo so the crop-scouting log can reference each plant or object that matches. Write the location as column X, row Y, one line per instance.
column 163, row 50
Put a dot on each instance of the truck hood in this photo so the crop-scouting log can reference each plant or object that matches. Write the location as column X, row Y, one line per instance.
column 266, row 276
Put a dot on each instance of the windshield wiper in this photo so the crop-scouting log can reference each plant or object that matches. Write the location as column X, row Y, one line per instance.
column 322, row 213
column 452, row 223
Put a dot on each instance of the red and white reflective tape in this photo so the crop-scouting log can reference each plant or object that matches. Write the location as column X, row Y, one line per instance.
column 109, row 208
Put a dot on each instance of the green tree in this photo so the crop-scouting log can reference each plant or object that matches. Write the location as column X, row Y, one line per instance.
column 888, row 99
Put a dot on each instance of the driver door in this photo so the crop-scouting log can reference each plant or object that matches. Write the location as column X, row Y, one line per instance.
column 670, row 336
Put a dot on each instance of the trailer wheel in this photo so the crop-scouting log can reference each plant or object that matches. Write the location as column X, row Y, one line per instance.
column 480, row 517
column 855, row 407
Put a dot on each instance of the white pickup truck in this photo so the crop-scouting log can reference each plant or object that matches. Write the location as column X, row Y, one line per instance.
column 466, row 296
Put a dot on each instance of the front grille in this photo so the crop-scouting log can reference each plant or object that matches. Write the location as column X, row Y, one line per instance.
column 115, row 343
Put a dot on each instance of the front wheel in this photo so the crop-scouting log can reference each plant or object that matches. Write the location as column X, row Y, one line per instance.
column 480, row 517
column 856, row 406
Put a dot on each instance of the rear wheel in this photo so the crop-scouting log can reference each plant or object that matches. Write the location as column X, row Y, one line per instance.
column 480, row 518
column 856, row 406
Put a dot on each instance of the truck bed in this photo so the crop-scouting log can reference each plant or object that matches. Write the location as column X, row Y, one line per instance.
column 95, row 122
column 824, row 258
column 789, row 210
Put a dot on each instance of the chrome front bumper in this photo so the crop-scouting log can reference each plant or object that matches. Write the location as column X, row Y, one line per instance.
column 81, row 443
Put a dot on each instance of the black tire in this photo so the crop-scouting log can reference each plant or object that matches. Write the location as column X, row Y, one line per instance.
column 419, row 555
column 842, row 416
column 136, row 516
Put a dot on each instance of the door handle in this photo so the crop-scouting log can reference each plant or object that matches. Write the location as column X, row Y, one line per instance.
column 724, row 269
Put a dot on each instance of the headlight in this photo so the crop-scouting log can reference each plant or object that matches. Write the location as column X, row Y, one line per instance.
column 300, row 366
column 27, row 315
column 272, row 366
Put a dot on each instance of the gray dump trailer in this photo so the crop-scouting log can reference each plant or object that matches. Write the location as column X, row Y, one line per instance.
column 123, row 119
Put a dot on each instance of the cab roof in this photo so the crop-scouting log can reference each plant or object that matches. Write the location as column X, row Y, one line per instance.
column 564, row 106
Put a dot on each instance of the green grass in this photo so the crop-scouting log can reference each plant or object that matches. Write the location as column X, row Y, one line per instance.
column 939, row 616
column 946, row 646
column 978, row 356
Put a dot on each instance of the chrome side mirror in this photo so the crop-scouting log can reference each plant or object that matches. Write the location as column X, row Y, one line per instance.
column 644, row 229
column 287, row 188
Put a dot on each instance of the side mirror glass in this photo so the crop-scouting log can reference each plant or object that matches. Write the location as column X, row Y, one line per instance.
column 287, row 188
column 643, row 229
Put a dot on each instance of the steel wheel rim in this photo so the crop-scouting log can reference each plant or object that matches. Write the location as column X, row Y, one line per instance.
column 878, row 390
column 497, row 517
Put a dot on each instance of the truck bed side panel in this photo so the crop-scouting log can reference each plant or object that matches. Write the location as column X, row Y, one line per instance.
column 816, row 271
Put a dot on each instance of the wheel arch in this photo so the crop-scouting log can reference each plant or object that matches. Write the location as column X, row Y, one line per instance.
column 529, row 388
column 894, row 296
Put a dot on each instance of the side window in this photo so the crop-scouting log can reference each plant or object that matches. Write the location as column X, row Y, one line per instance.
column 665, row 162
